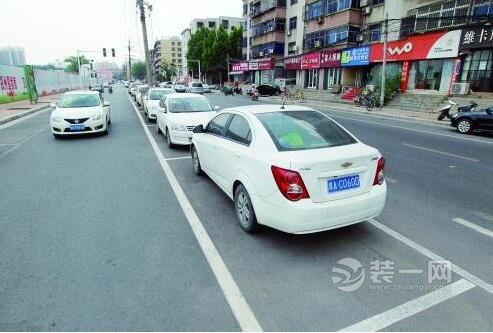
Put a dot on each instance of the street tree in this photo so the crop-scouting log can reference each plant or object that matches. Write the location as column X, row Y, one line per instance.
column 139, row 70
column 72, row 65
column 166, row 71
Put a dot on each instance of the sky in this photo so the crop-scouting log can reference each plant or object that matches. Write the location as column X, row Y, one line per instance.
column 54, row 29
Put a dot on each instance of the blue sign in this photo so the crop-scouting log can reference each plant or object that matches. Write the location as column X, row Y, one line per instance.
column 357, row 56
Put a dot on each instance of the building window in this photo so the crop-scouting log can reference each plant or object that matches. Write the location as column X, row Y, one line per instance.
column 179, row 43
column 225, row 24
column 315, row 10
column 245, row 9
column 311, row 80
column 179, row 54
column 334, row 6
column 200, row 25
column 179, row 60
column 292, row 48
column 294, row 2
column 375, row 32
column 377, row 2
column 172, row 54
column 292, row 22
column 212, row 25
column 331, row 36
column 172, row 43
column 172, row 49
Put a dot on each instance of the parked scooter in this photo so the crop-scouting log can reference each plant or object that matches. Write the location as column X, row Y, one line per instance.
column 468, row 108
column 445, row 111
column 228, row 91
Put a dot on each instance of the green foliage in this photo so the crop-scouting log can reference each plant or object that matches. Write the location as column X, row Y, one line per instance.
column 392, row 85
column 139, row 70
column 72, row 65
column 165, row 71
column 9, row 99
column 212, row 47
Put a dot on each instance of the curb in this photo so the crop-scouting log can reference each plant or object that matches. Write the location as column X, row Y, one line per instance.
column 23, row 114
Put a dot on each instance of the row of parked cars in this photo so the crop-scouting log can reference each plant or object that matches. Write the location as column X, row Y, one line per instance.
column 289, row 167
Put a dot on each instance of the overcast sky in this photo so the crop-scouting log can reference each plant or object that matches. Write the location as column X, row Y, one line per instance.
column 55, row 29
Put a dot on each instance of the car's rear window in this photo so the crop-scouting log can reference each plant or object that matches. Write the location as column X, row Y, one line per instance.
column 79, row 101
column 300, row 130
column 195, row 85
column 179, row 105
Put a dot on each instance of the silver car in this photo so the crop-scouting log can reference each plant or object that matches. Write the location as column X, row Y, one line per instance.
column 195, row 88
column 180, row 88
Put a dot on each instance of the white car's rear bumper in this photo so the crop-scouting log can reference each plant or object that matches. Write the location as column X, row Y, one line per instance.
column 305, row 216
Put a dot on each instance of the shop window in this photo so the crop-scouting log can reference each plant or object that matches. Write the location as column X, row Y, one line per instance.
column 332, row 77
column 311, row 80
column 477, row 70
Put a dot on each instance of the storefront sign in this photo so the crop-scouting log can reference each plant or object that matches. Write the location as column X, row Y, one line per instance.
column 261, row 64
column 310, row 61
column 476, row 38
column 455, row 74
column 404, row 75
column 292, row 63
column 330, row 59
column 358, row 56
column 240, row 67
column 430, row 46
column 253, row 65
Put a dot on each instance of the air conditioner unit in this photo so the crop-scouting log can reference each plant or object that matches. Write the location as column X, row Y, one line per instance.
column 370, row 87
column 320, row 20
column 293, row 48
column 261, row 54
column 317, row 43
column 460, row 88
column 366, row 10
column 271, row 51
column 360, row 37
column 364, row 3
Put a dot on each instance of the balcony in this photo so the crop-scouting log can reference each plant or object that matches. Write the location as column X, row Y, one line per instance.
column 264, row 6
column 351, row 17
column 277, row 36
column 270, row 15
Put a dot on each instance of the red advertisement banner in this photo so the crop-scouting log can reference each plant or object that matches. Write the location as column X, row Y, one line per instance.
column 310, row 61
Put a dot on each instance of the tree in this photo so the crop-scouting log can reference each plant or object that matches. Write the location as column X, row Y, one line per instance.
column 165, row 71
column 72, row 65
column 139, row 70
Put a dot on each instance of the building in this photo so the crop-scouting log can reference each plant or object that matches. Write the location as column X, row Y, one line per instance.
column 13, row 56
column 226, row 22
column 167, row 50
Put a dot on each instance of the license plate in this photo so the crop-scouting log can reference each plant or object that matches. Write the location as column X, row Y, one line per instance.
column 343, row 183
column 77, row 127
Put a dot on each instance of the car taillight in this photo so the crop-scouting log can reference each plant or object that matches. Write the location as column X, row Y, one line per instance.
column 379, row 174
column 290, row 184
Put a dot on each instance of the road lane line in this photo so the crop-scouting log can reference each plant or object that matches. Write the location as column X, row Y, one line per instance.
column 414, row 130
column 408, row 309
column 16, row 146
column 427, row 253
column 178, row 158
column 473, row 226
column 21, row 119
column 239, row 306
column 441, row 152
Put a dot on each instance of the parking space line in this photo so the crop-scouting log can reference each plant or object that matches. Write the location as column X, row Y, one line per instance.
column 473, row 226
column 408, row 309
column 239, row 306
column 178, row 158
column 430, row 254
column 441, row 152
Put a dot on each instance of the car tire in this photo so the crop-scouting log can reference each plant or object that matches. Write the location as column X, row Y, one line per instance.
column 244, row 211
column 464, row 126
column 158, row 129
column 168, row 140
column 197, row 168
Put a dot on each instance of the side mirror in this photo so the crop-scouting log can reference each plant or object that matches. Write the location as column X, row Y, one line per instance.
column 106, row 104
column 53, row 105
column 217, row 108
column 198, row 129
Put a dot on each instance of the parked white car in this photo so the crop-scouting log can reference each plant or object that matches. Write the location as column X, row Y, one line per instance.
column 206, row 87
column 179, row 115
column 293, row 168
column 151, row 101
column 139, row 96
column 80, row 112
column 180, row 87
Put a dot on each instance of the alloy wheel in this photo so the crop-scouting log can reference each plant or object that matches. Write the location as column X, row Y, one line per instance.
column 243, row 209
column 464, row 126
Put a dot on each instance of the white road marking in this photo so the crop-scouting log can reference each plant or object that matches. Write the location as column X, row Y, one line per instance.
column 178, row 158
column 17, row 145
column 390, row 180
column 473, row 226
column 241, row 310
column 18, row 120
column 427, row 253
column 408, row 309
column 415, row 130
column 441, row 152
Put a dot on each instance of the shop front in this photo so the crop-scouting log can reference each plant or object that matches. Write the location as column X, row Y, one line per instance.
column 354, row 63
column 424, row 62
column 310, row 64
column 238, row 71
column 330, row 68
column 476, row 52
column 262, row 70
column 292, row 69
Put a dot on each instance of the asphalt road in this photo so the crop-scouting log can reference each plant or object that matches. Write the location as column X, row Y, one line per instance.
column 95, row 236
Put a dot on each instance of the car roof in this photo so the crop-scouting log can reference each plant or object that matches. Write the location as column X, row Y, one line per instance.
column 161, row 89
column 184, row 95
column 82, row 92
column 266, row 108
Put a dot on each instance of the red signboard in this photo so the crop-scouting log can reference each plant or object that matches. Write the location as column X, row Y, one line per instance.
column 330, row 59
column 310, row 61
column 404, row 75
column 261, row 64
column 455, row 74
column 292, row 63
column 429, row 46
column 240, row 67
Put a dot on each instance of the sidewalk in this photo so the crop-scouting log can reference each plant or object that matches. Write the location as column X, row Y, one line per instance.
column 419, row 116
column 15, row 110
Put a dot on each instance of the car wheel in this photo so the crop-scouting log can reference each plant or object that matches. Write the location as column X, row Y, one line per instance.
column 168, row 140
column 464, row 126
column 244, row 210
column 158, row 128
column 196, row 162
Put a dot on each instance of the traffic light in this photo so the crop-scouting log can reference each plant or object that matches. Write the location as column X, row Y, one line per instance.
column 113, row 53
column 104, row 51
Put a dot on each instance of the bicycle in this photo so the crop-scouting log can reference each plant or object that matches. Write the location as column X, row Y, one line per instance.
column 366, row 101
column 299, row 95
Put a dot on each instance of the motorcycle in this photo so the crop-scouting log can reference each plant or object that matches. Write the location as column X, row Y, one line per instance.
column 468, row 108
column 238, row 91
column 445, row 111
column 254, row 95
column 228, row 91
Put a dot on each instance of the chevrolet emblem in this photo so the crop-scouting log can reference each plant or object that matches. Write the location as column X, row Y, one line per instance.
column 347, row 164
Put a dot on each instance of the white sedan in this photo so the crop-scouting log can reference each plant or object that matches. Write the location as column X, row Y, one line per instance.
column 292, row 168
column 151, row 101
column 80, row 112
column 179, row 114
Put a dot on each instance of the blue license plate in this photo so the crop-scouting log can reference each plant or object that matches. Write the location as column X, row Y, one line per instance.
column 77, row 127
column 343, row 183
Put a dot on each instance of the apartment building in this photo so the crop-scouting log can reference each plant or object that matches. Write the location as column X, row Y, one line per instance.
column 169, row 50
column 13, row 56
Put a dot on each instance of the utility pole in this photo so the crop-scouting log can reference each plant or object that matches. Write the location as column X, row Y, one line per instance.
column 386, row 33
column 140, row 3
column 129, row 69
